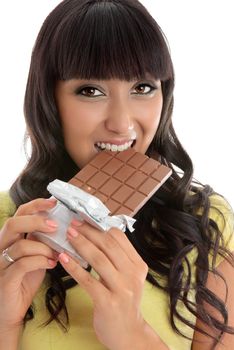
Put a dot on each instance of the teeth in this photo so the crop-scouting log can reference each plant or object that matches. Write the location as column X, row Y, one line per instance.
column 114, row 148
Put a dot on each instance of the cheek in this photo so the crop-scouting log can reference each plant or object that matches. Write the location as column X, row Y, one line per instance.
column 150, row 119
column 152, row 116
column 79, row 120
column 150, row 129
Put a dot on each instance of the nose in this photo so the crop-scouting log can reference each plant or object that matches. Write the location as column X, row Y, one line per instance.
column 119, row 120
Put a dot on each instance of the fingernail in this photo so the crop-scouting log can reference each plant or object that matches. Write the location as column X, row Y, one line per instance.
column 52, row 262
column 51, row 223
column 64, row 258
column 52, row 201
column 76, row 222
column 72, row 232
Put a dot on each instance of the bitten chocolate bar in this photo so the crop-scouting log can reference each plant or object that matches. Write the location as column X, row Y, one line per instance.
column 123, row 181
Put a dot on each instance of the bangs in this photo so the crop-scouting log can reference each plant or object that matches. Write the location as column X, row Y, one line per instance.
column 104, row 40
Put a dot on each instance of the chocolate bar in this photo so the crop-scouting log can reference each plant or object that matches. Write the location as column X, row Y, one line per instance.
column 123, row 181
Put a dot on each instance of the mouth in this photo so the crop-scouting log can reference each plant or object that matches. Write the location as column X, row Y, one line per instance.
column 101, row 146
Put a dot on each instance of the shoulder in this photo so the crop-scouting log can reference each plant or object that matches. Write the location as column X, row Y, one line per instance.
column 222, row 214
column 7, row 207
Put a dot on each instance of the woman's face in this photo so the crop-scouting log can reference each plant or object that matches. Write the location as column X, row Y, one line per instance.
column 108, row 114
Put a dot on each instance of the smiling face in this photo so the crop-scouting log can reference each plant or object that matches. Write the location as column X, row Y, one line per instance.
column 107, row 114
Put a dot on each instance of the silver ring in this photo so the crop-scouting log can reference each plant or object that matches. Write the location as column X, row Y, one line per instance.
column 6, row 256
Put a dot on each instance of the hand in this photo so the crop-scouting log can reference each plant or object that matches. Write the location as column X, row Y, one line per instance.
column 116, row 295
column 20, row 280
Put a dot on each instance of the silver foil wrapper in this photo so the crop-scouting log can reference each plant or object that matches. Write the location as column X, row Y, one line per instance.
column 76, row 203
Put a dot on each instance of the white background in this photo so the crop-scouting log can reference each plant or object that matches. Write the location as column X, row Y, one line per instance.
column 200, row 35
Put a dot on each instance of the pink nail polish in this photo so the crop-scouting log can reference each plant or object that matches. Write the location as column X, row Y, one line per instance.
column 76, row 222
column 72, row 232
column 52, row 262
column 51, row 223
column 51, row 201
column 64, row 258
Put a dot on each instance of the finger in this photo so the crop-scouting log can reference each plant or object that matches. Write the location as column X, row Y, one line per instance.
column 16, row 271
column 125, row 244
column 96, row 258
column 30, row 223
column 115, row 234
column 18, row 225
column 36, row 205
column 91, row 285
column 25, row 247
column 107, row 244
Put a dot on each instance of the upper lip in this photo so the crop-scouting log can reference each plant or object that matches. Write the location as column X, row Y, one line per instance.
column 117, row 142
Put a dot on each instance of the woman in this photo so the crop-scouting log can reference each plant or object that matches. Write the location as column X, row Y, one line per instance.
column 99, row 70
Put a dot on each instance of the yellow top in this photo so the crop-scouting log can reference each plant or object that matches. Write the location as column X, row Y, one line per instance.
column 154, row 305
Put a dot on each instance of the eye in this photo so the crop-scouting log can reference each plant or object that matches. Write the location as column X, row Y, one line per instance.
column 89, row 91
column 144, row 89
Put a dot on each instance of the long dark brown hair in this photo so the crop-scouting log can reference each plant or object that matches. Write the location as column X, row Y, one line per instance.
column 103, row 39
